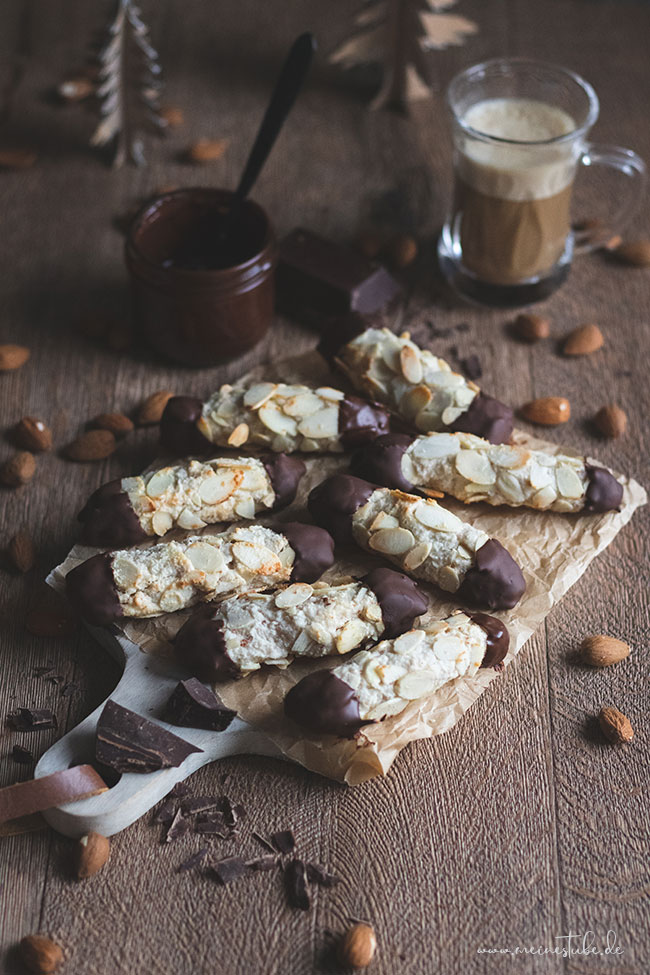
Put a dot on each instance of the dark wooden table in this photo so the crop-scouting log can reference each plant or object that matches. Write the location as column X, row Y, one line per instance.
column 520, row 825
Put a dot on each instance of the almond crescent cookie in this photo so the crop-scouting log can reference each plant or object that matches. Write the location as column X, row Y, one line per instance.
column 276, row 416
column 420, row 387
column 421, row 537
column 382, row 682
column 242, row 633
column 471, row 469
column 144, row 582
column 189, row 495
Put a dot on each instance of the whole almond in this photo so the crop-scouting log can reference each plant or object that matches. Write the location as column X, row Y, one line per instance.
column 91, row 853
column 13, row 357
column 118, row 424
column 532, row 328
column 636, row 253
column 18, row 470
column 172, row 115
column 33, row 434
column 151, row 410
column 603, row 651
column 75, row 88
column 51, row 621
column 548, row 411
column 615, row 726
column 207, row 150
column 40, row 955
column 583, row 340
column 611, row 420
column 358, row 946
column 92, row 445
column 19, row 158
column 21, row 551
column 402, row 250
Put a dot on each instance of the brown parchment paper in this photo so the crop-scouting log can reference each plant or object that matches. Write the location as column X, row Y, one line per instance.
column 553, row 551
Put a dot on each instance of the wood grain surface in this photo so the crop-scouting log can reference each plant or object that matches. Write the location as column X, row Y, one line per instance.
column 520, row 825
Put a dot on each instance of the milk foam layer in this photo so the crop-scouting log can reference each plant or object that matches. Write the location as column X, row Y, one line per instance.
column 528, row 171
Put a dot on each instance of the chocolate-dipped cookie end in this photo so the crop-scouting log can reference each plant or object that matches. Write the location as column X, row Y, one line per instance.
column 486, row 417
column 200, row 647
column 323, row 704
column 90, row 587
column 495, row 580
column 178, row 430
column 109, row 520
column 604, row 492
column 381, row 462
column 400, row 599
column 285, row 473
column 498, row 639
column 314, row 548
column 333, row 502
column 361, row 422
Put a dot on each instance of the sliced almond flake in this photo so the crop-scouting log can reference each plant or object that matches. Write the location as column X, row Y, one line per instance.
column 568, row 483
column 509, row 457
column 448, row 647
column 215, row 488
column 475, row 467
column 321, row 425
column 411, row 364
column 417, row 684
column 125, row 572
column 436, row 445
column 510, row 487
column 373, row 672
column 408, row 641
column 189, row 521
column 392, row 541
column 464, row 396
column 301, row 644
column 544, row 498
column 383, row 520
column 540, row 477
column 446, row 380
column 245, row 508
column 414, row 400
column 450, row 414
column 385, row 709
column 205, row 557
column 563, row 505
column 257, row 558
column 327, row 392
column 448, row 579
column 294, row 595
column 432, row 515
column 372, row 611
column 171, row 600
column 239, row 435
column 350, row 636
column 258, row 394
column 302, row 405
column 255, row 480
column 276, row 420
column 417, row 555
column 161, row 522
column 237, row 616
column 159, row 482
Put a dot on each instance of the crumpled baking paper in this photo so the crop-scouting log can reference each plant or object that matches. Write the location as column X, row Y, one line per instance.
column 553, row 551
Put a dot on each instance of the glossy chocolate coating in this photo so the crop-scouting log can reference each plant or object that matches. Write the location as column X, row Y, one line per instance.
column 323, row 704
column 314, row 548
column 604, row 493
column 361, row 422
column 200, row 647
column 381, row 462
column 333, row 502
column 90, row 587
column 178, row 430
column 400, row 599
column 108, row 519
column 285, row 474
column 495, row 580
column 498, row 638
column 486, row 417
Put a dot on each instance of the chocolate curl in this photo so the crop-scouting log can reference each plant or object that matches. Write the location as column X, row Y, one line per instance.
column 36, row 795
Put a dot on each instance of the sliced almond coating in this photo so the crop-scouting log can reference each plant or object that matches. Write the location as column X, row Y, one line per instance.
column 417, row 684
column 509, row 457
column 448, row 579
column 372, row 612
column 254, row 480
column 392, row 541
column 304, row 404
column 446, row 380
column 258, row 394
column 205, row 557
column 540, row 477
column 327, row 392
column 351, row 635
column 171, row 601
column 475, row 467
column 125, row 572
column 448, row 647
column 383, row 520
column 417, row 555
column 245, row 508
column 431, row 514
column 258, row 558
column 386, row 709
column 562, row 505
column 301, row 644
column 458, row 619
column 464, row 396
column 239, row 435
column 415, row 400
column 450, row 414
column 568, row 483
column 408, row 641
column 294, row 595
column 509, row 486
column 410, row 364
column 276, row 420
column 436, row 445
column 217, row 487
column 373, row 673
column 321, row 425
column 238, row 617
column 544, row 498
column 159, row 482
column 161, row 522
column 189, row 521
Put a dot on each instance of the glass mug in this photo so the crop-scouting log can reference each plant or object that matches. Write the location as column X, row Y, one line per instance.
column 520, row 136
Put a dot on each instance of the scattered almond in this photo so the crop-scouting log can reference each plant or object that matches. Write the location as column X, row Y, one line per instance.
column 207, row 150
column 369, row 243
column 612, row 243
column 17, row 158
column 548, row 411
column 91, row 853
column 40, row 955
column 172, row 115
column 151, row 410
column 358, row 946
column 21, row 551
column 603, row 651
column 611, row 420
column 402, row 250
column 636, row 253
column 13, row 357
column 615, row 726
column 32, row 434
column 18, row 470
column 239, row 436
column 51, row 621
column 532, row 328
column 75, row 88
column 583, row 341
column 118, row 424
column 92, row 445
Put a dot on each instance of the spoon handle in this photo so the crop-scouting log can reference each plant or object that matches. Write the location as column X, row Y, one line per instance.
column 289, row 83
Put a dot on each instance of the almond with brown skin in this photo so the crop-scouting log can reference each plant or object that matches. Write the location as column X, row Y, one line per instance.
column 402, row 250
column 603, row 651
column 18, row 470
column 151, row 410
column 531, row 328
column 615, row 726
column 21, row 551
column 90, row 446
column 549, row 411
column 172, row 115
column 611, row 420
column 13, row 357
column 40, row 955
column 33, row 434
column 583, row 341
column 91, row 853
column 636, row 253
column 358, row 946
column 207, row 150
column 118, row 424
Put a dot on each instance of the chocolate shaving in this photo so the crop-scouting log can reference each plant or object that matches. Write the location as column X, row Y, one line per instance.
column 32, row 719
column 232, row 812
column 127, row 742
column 194, row 861
column 268, row 862
column 472, row 367
column 68, row 689
column 284, row 841
column 317, row 874
column 295, row 885
column 193, row 805
column 21, row 755
column 263, row 842
column 165, row 813
column 177, row 828
column 211, row 824
column 42, row 671
column 193, row 705
column 229, row 869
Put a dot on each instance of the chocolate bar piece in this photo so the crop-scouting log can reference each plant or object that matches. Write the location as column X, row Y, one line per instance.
column 317, row 279
column 127, row 742
column 193, row 705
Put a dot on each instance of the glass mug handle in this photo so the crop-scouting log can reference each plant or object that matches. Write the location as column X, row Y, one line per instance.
column 626, row 162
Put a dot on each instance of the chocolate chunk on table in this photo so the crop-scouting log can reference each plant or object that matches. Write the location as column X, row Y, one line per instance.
column 284, row 841
column 193, row 705
column 127, row 742
column 229, row 869
column 32, row 719
column 295, row 883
